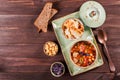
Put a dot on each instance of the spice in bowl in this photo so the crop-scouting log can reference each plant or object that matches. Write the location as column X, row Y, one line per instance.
column 50, row 48
column 57, row 69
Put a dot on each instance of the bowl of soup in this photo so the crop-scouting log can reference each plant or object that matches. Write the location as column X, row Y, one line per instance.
column 83, row 53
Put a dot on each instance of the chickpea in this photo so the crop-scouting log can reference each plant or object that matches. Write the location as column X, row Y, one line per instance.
column 91, row 54
column 89, row 60
column 93, row 59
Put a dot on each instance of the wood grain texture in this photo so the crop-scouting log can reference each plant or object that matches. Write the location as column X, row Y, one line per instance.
column 21, row 53
column 48, row 76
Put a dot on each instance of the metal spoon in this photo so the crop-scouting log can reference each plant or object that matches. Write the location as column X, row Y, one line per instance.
column 102, row 38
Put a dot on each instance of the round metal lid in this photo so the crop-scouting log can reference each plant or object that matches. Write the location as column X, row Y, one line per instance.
column 92, row 14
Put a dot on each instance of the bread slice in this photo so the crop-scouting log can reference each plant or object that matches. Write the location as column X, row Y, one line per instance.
column 53, row 12
column 42, row 20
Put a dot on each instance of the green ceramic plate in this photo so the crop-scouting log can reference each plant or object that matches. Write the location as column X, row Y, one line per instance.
column 66, row 45
column 92, row 14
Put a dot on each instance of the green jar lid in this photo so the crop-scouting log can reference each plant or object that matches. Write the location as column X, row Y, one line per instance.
column 92, row 14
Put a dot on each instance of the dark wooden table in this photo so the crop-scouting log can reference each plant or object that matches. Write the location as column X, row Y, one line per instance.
column 21, row 54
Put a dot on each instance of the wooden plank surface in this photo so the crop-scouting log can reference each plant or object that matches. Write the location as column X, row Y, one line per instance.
column 21, row 54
